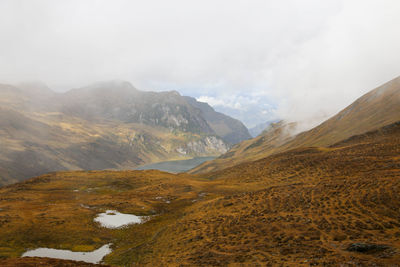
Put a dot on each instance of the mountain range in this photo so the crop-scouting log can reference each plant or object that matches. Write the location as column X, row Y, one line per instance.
column 107, row 125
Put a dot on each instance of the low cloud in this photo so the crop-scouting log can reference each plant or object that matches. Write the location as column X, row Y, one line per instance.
column 307, row 59
column 251, row 109
column 234, row 103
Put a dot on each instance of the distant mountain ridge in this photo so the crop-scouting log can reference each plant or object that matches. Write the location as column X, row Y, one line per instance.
column 121, row 101
column 167, row 109
column 378, row 108
column 230, row 129
column 107, row 125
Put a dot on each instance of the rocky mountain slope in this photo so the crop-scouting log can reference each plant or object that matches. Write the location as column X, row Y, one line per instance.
column 167, row 109
column 122, row 102
column 323, row 206
column 375, row 109
column 231, row 130
column 109, row 125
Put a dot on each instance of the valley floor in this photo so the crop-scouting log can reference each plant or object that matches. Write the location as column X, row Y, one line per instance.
column 327, row 206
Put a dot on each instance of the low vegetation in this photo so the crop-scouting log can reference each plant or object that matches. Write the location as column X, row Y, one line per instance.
column 302, row 207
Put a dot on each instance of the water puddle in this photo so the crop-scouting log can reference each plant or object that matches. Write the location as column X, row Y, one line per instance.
column 115, row 219
column 92, row 257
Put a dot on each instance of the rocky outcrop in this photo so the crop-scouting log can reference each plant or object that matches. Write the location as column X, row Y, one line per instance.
column 121, row 101
column 206, row 146
column 231, row 130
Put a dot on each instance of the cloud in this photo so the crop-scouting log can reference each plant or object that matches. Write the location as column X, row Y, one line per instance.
column 251, row 109
column 355, row 53
column 307, row 58
column 233, row 103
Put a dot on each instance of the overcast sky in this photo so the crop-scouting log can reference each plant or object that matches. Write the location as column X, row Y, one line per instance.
column 257, row 60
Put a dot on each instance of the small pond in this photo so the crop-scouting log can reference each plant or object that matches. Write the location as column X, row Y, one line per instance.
column 109, row 219
column 92, row 257
column 115, row 219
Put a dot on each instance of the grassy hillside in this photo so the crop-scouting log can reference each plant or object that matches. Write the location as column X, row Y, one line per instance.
column 33, row 144
column 373, row 110
column 269, row 142
column 42, row 131
column 312, row 206
column 307, row 206
column 57, row 210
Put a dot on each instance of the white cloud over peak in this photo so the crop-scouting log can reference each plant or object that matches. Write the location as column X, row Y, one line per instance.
column 234, row 102
column 308, row 59
column 250, row 109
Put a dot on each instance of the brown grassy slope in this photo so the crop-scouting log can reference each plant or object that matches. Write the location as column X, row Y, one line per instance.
column 311, row 204
column 269, row 141
column 37, row 138
column 300, row 207
column 373, row 110
column 56, row 210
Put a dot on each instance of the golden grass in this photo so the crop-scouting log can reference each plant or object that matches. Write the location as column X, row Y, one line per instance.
column 298, row 208
column 57, row 210
column 309, row 206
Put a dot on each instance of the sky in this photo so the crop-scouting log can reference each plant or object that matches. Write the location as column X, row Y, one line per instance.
column 256, row 60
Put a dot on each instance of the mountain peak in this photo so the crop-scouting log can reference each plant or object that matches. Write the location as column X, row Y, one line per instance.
column 112, row 84
column 174, row 92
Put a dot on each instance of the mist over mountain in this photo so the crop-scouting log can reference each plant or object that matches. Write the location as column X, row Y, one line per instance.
column 199, row 133
column 377, row 108
column 341, row 200
column 121, row 101
column 259, row 128
column 303, row 59
column 107, row 125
